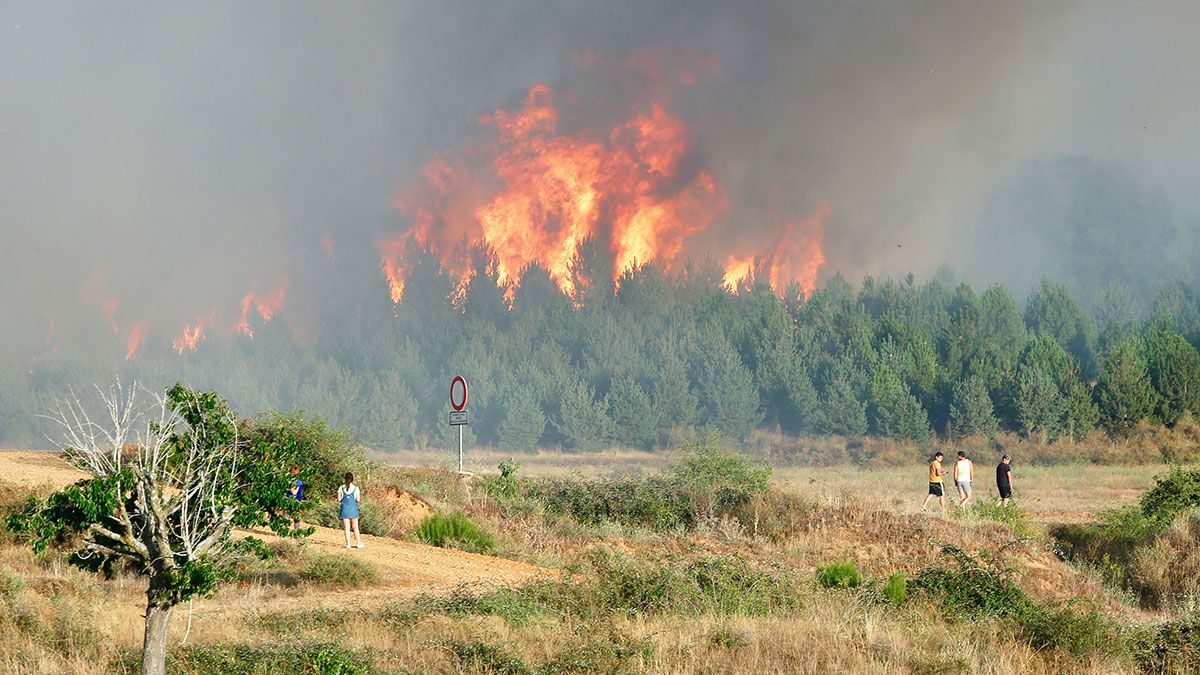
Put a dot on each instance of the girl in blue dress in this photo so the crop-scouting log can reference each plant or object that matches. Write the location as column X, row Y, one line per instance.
column 349, row 496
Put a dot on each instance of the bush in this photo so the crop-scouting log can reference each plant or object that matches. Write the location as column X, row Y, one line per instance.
column 321, row 454
column 454, row 531
column 979, row 588
column 339, row 571
column 606, row 584
column 325, row 658
column 1017, row 519
column 658, row 503
column 718, row 480
column 895, row 591
column 842, row 574
column 370, row 517
column 1171, row 647
column 1172, row 494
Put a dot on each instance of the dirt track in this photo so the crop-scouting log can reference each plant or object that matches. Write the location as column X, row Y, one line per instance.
column 405, row 568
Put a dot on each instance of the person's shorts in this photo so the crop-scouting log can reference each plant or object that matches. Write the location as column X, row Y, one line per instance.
column 936, row 490
column 964, row 485
column 1006, row 492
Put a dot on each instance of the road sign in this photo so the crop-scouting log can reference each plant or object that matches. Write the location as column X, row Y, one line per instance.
column 458, row 418
column 458, row 393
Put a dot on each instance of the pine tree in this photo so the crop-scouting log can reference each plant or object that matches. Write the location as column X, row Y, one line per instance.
column 523, row 421
column 635, row 420
column 1039, row 403
column 971, row 412
column 1174, row 368
column 843, row 413
column 1126, row 395
column 895, row 412
column 583, row 419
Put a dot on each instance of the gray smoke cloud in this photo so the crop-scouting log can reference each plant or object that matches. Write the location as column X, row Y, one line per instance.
column 175, row 157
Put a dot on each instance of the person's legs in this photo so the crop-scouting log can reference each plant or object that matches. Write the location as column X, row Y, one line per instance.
column 925, row 503
column 357, row 538
column 346, row 528
column 942, row 501
column 966, row 494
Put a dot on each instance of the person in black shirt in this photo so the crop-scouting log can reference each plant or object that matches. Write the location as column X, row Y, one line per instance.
column 1004, row 481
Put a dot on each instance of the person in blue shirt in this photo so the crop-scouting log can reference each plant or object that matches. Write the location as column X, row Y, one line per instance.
column 296, row 492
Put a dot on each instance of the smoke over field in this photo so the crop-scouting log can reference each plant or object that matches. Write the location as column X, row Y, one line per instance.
column 171, row 172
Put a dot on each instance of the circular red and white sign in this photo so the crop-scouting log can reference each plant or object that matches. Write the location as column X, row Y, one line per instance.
column 458, row 393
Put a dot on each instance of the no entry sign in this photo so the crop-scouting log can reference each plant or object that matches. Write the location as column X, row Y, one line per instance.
column 458, row 393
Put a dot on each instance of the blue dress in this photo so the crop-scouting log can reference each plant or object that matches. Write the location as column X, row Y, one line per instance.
column 349, row 502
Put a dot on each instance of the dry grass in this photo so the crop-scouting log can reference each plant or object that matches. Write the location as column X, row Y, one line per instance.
column 80, row 623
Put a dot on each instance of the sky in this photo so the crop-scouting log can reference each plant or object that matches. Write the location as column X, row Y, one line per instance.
column 162, row 161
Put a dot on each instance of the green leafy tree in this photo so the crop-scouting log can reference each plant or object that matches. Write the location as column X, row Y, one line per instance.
column 1125, row 393
column 168, row 484
column 972, row 412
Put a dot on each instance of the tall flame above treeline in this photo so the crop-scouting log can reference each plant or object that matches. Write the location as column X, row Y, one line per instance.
column 636, row 186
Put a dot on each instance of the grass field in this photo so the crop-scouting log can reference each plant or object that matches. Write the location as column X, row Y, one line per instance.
column 747, row 589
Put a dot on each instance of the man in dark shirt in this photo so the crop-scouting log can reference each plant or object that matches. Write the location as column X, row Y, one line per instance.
column 1004, row 481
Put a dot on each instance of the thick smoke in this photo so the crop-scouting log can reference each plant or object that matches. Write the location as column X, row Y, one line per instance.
column 161, row 162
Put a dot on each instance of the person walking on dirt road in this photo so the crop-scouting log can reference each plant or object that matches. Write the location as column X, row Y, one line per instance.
column 964, row 474
column 349, row 496
column 1004, row 482
column 937, row 486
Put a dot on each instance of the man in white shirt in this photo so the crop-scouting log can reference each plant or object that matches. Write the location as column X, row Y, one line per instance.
column 964, row 473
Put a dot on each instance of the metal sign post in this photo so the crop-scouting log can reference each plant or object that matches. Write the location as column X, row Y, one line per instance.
column 458, row 416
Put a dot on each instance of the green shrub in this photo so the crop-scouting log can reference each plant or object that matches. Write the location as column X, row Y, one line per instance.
column 1171, row 647
column 895, row 591
column 658, row 503
column 718, row 480
column 479, row 656
column 323, row 658
column 1016, row 518
column 454, row 531
column 1171, row 495
column 370, row 517
column 842, row 574
column 11, row 584
column 606, row 584
column 322, row 454
column 980, row 588
column 339, row 571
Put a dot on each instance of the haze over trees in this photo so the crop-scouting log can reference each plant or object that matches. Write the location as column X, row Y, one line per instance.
column 598, row 367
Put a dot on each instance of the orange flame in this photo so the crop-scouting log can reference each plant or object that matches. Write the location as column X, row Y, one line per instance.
column 327, row 246
column 737, row 269
column 554, row 192
column 190, row 337
column 266, row 304
column 794, row 256
column 136, row 335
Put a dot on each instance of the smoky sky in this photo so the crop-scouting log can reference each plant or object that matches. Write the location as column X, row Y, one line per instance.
column 170, row 158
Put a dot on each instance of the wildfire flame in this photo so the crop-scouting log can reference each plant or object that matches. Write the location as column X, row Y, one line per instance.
column 134, row 342
column 555, row 191
column 267, row 305
column 190, row 337
column 794, row 255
